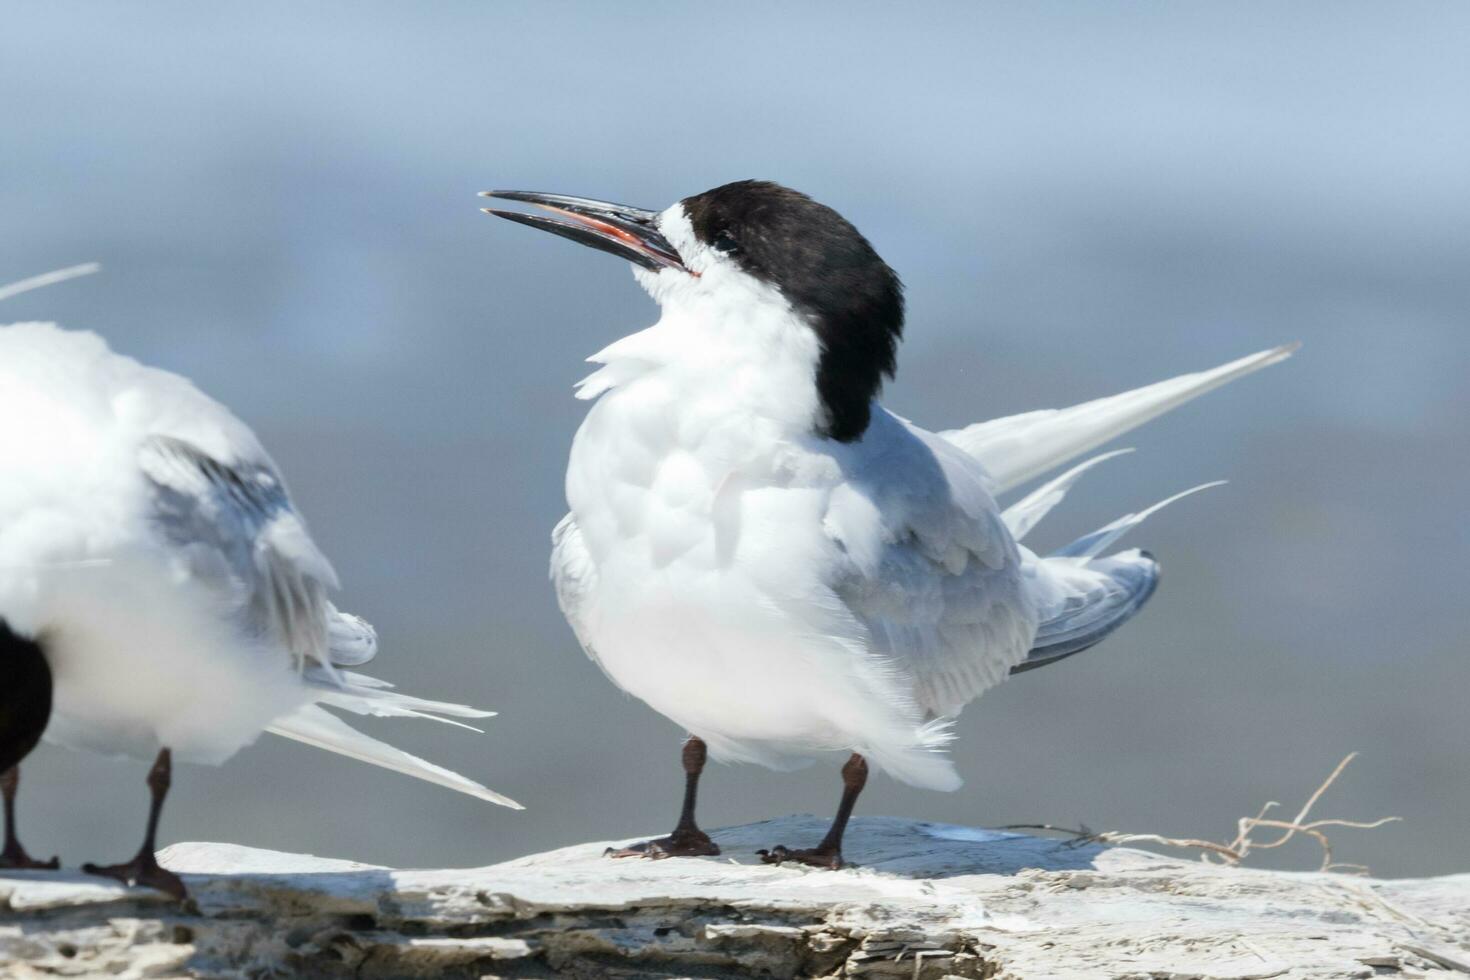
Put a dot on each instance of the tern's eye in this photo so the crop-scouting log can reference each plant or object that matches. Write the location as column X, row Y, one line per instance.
column 725, row 243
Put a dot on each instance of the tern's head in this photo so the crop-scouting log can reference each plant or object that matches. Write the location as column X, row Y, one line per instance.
column 732, row 249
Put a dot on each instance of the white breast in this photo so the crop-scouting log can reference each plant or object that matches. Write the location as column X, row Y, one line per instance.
column 699, row 498
column 142, row 659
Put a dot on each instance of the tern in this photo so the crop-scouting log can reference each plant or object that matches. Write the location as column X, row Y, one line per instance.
column 767, row 556
column 159, row 592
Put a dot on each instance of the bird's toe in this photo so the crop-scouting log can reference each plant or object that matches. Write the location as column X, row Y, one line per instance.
column 695, row 843
column 18, row 860
column 828, row 859
column 142, row 871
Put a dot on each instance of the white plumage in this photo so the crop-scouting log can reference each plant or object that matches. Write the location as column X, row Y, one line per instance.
column 148, row 543
column 779, row 593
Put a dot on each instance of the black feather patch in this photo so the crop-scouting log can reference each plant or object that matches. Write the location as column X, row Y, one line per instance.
column 828, row 272
column 25, row 696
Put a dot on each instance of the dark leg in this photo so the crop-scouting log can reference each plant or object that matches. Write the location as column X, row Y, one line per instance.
column 828, row 854
column 144, row 869
column 687, row 840
column 15, row 856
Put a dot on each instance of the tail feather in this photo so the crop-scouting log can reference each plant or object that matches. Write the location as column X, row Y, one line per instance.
column 1084, row 598
column 923, row 762
column 316, row 726
column 1089, row 546
column 48, row 279
column 1122, row 584
column 1027, row 512
column 364, row 695
column 1021, row 447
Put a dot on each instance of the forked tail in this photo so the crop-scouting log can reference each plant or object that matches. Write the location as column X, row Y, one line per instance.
column 1020, row 447
column 1083, row 597
column 363, row 695
column 1102, row 595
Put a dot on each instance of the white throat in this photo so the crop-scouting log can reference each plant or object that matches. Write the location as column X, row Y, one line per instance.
column 725, row 339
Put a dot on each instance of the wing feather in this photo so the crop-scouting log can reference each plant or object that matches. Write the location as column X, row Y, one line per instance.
column 236, row 525
column 574, row 576
column 944, row 602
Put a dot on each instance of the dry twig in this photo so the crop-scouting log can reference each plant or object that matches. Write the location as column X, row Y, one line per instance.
column 1238, row 849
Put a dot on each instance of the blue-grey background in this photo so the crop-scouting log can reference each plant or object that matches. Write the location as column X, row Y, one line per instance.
column 1081, row 197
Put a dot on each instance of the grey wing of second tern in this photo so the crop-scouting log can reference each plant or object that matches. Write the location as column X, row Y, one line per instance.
column 235, row 525
column 574, row 576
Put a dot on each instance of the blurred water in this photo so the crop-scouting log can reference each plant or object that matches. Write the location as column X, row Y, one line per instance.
column 1081, row 197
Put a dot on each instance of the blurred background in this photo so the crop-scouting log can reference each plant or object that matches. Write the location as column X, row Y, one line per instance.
column 1082, row 198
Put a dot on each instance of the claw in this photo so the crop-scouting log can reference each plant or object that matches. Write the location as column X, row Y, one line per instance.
column 19, row 860
column 828, row 859
column 142, row 870
column 678, row 844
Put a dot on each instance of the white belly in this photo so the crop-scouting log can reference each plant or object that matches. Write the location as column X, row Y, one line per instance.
column 145, row 661
column 708, row 601
column 706, row 651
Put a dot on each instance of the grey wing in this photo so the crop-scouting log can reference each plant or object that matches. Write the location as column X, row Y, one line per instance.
column 574, row 576
column 956, row 626
column 351, row 640
column 235, row 526
column 945, row 603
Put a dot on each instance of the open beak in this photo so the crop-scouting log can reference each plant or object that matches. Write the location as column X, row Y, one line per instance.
column 627, row 232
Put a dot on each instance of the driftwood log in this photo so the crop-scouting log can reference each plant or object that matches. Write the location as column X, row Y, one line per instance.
column 926, row 900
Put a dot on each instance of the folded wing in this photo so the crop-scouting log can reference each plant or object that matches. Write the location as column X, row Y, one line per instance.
column 234, row 523
column 942, row 598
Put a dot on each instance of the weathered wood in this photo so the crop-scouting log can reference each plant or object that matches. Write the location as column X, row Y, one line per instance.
column 929, row 901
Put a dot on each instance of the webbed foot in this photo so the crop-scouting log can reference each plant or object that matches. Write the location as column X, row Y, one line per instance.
column 142, row 870
column 826, row 858
column 681, row 843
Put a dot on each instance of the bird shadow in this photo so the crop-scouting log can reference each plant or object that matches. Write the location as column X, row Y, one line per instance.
column 913, row 848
